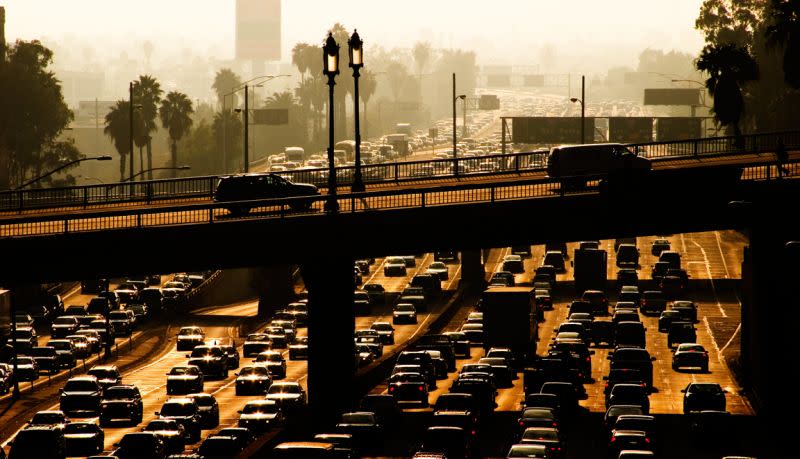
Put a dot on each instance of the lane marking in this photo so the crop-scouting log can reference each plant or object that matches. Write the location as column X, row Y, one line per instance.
column 710, row 278
column 722, row 254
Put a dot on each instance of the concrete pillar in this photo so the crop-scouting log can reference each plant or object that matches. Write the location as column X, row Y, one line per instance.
column 472, row 270
column 275, row 287
column 331, row 324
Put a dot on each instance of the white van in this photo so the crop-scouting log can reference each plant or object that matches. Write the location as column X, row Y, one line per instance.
column 295, row 154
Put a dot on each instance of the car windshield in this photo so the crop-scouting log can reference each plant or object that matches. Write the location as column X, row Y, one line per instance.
column 47, row 418
column 64, row 320
column 102, row 373
column 177, row 371
column 202, row 351
column 540, row 434
column 382, row 327
column 254, row 371
column 405, row 308
column 271, row 357
column 691, row 348
column 260, row 408
column 161, row 424
column 407, row 377
column 60, row 345
column 706, row 388
column 189, row 331
column 177, row 409
column 358, row 418
column 80, row 386
column 119, row 393
column 284, row 389
column 80, row 427
column 23, row 333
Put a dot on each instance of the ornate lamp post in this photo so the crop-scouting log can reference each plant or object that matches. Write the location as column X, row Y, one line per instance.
column 356, row 52
column 330, row 68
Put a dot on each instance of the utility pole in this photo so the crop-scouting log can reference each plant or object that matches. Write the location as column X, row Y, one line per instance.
column 583, row 109
column 455, row 149
column 130, row 120
column 246, row 130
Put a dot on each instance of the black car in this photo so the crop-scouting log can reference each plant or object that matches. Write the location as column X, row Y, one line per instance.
column 621, row 376
column 38, row 442
column 184, row 379
column 703, row 396
column 171, row 433
column 121, row 402
column 140, row 445
column 212, row 360
column 233, row 356
column 218, row 446
column 409, row 387
column 681, row 332
column 46, row 358
column 107, row 375
column 627, row 256
column 65, row 352
column 184, row 411
column 252, row 186
column 83, row 438
column 63, row 326
column 208, row 409
column 81, row 394
column 635, row 358
column 652, row 302
column 602, row 331
column 686, row 309
column 666, row 318
column 255, row 343
column 253, row 380
column 659, row 245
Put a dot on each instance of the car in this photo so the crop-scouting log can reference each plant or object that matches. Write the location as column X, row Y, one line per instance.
column 121, row 402
column 208, row 409
column 627, row 256
column 672, row 257
column 629, row 394
column 621, row 376
column 375, row 292
column 298, row 350
column 628, row 440
column 635, row 358
column 506, row 354
column 404, row 313
column 55, row 419
column 75, row 310
column 686, row 309
column 615, row 411
column 473, row 332
column 415, row 296
column 219, row 446
column 658, row 246
column 364, row 427
column 242, row 435
column 482, row 390
column 544, row 301
column 127, row 292
column 170, row 431
column 653, row 302
column 99, row 305
column 211, row 360
column 681, row 332
column 659, row 270
column 184, row 379
column 153, row 298
column 521, row 250
column 184, row 411
column 260, row 415
column 690, row 355
column 603, row 331
column 557, row 247
column 452, row 442
column 64, row 352
column 104, row 329
column 233, row 355
column 27, row 369
column 256, row 343
column 703, row 396
column 537, row 417
column 548, row 437
column 140, row 445
column 38, row 442
column 666, row 318
column 250, row 186
column 556, row 260
column 409, row 260
column 625, row 315
column 567, row 393
column 189, row 337
column 274, row 362
column 438, row 269
column 254, row 379
column 25, row 338
column 288, row 395
column 643, row 423
column 394, row 266
column 107, row 375
column 513, row 264
column 303, row 450
column 82, row 347
column 630, row 294
column 671, row 286
column 630, row 334
column 63, row 326
column 445, row 255
column 83, row 439
column 80, row 394
column 504, row 278
column 385, row 331
column 409, row 387
column 527, row 451
column 598, row 300
column 627, row 277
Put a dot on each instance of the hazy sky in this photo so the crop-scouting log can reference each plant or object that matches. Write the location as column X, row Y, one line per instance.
column 500, row 30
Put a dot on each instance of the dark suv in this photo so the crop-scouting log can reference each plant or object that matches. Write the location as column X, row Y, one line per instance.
column 81, row 393
column 243, row 187
column 212, row 360
column 681, row 332
column 634, row 358
column 185, row 411
column 121, row 402
column 703, row 396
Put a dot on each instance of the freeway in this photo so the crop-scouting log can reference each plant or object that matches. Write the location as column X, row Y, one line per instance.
column 229, row 323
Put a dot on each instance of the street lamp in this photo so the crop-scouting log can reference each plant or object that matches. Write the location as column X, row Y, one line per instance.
column 455, row 140
column 356, row 52
column 330, row 68
column 63, row 166
column 583, row 108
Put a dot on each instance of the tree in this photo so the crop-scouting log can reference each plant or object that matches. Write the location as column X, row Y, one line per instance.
column 176, row 117
column 118, row 127
column 422, row 55
column 784, row 30
column 202, row 153
column 300, row 57
column 398, row 78
column 728, row 66
column 367, row 85
column 283, row 99
column 225, row 82
column 32, row 113
column 227, row 129
column 147, row 93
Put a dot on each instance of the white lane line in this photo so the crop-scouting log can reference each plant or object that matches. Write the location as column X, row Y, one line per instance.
column 735, row 332
column 710, row 278
column 722, row 254
column 455, row 276
column 713, row 341
column 379, row 269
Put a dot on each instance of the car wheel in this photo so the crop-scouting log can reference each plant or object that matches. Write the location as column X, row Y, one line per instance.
column 704, row 368
column 674, row 367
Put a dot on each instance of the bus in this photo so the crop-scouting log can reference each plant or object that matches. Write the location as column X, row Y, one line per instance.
column 295, row 154
column 403, row 128
column 349, row 147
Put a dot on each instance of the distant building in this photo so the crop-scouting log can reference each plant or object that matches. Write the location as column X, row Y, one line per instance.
column 258, row 30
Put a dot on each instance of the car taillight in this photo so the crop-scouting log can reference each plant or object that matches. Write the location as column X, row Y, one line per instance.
column 613, row 439
column 646, row 440
column 474, row 433
column 521, row 424
column 421, row 388
column 391, row 388
column 555, row 424
column 588, row 359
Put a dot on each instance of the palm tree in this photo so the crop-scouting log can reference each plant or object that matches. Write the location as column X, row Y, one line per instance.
column 300, row 58
column 118, row 128
column 422, row 54
column 367, row 85
column 398, row 77
column 728, row 66
column 176, row 117
column 785, row 31
column 148, row 92
column 227, row 128
column 225, row 82
column 283, row 99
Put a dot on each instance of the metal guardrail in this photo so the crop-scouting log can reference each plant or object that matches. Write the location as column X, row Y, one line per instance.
column 203, row 187
column 213, row 213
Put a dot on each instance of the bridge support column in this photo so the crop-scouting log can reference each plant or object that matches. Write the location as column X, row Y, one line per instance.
column 331, row 324
column 472, row 270
column 275, row 287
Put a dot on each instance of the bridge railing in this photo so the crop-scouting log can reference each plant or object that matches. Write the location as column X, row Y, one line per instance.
column 218, row 213
column 203, row 187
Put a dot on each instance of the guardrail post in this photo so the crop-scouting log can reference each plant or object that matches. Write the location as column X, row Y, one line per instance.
column 396, row 171
column 491, row 194
column 211, row 187
column 423, row 199
column 211, row 215
column 66, row 225
column 85, row 196
column 139, row 220
column 695, row 147
column 20, row 201
column 516, row 163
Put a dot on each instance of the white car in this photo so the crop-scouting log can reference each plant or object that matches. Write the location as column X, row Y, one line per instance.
column 438, row 269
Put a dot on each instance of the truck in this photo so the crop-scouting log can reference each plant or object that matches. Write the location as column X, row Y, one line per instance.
column 399, row 142
column 509, row 320
column 591, row 269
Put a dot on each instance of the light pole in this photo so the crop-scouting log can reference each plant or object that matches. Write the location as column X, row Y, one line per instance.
column 583, row 108
column 455, row 134
column 356, row 52
column 63, row 166
column 330, row 68
column 169, row 168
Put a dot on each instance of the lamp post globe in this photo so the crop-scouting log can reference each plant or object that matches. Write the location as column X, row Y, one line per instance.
column 356, row 52
column 330, row 68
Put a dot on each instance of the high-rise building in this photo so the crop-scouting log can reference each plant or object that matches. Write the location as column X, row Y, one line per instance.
column 258, row 30
column 2, row 32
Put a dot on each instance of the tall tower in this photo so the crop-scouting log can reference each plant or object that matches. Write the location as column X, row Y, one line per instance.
column 258, row 32
column 2, row 34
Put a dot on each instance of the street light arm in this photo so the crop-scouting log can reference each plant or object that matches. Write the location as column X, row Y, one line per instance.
column 179, row 168
column 63, row 166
